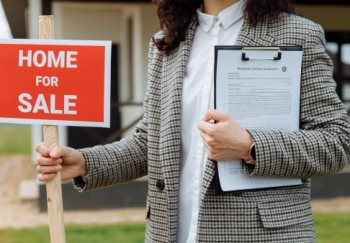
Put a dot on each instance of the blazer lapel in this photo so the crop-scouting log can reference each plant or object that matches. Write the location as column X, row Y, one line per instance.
column 173, row 73
column 248, row 36
column 255, row 36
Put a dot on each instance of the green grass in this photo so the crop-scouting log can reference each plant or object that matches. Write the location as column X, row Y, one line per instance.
column 112, row 233
column 15, row 140
column 330, row 228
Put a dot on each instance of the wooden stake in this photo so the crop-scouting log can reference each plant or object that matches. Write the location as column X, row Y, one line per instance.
column 53, row 187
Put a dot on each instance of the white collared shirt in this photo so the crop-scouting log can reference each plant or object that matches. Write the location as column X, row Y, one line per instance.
column 197, row 98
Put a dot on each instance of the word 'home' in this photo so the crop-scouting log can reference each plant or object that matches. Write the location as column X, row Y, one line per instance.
column 61, row 59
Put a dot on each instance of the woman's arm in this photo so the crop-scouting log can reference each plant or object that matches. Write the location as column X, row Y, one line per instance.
column 322, row 145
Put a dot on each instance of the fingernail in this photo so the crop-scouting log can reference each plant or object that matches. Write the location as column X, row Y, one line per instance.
column 53, row 154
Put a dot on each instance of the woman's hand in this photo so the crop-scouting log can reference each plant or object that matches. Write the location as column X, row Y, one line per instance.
column 69, row 161
column 226, row 139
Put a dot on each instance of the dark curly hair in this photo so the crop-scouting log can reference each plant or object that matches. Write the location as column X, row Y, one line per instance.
column 176, row 15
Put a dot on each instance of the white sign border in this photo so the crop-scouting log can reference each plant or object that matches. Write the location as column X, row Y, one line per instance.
column 107, row 83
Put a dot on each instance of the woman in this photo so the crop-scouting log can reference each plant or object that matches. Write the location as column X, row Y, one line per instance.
column 182, row 205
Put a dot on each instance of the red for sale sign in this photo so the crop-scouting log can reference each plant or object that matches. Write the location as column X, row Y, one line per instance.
column 55, row 82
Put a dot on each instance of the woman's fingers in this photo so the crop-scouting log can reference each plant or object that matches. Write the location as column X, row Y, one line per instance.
column 44, row 161
column 48, row 169
column 55, row 153
column 42, row 149
column 58, row 152
column 46, row 177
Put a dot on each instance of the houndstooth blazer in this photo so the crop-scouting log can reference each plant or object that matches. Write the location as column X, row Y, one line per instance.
column 319, row 148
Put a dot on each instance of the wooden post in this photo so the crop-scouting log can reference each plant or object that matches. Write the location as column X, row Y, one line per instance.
column 53, row 187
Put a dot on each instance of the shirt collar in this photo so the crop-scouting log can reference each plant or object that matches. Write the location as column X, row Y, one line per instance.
column 227, row 16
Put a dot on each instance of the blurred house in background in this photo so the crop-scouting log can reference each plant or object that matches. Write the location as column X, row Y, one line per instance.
column 130, row 24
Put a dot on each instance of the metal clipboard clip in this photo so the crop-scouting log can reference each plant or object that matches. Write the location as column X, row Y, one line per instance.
column 244, row 58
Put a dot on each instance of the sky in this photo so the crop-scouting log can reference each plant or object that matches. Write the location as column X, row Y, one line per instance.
column 5, row 32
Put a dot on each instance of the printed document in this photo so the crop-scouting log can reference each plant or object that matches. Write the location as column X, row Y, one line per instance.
column 261, row 95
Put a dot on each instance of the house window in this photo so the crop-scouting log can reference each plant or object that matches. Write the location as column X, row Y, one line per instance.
column 338, row 49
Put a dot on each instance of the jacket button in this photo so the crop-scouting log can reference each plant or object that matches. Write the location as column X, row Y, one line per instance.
column 160, row 185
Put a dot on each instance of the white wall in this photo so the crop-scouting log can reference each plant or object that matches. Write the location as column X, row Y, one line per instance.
column 5, row 32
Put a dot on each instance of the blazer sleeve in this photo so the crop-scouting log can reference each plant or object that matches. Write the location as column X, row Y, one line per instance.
column 321, row 146
column 118, row 162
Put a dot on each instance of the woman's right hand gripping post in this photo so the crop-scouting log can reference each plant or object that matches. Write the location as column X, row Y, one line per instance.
column 69, row 161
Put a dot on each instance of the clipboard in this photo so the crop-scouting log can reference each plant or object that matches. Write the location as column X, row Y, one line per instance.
column 272, row 54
